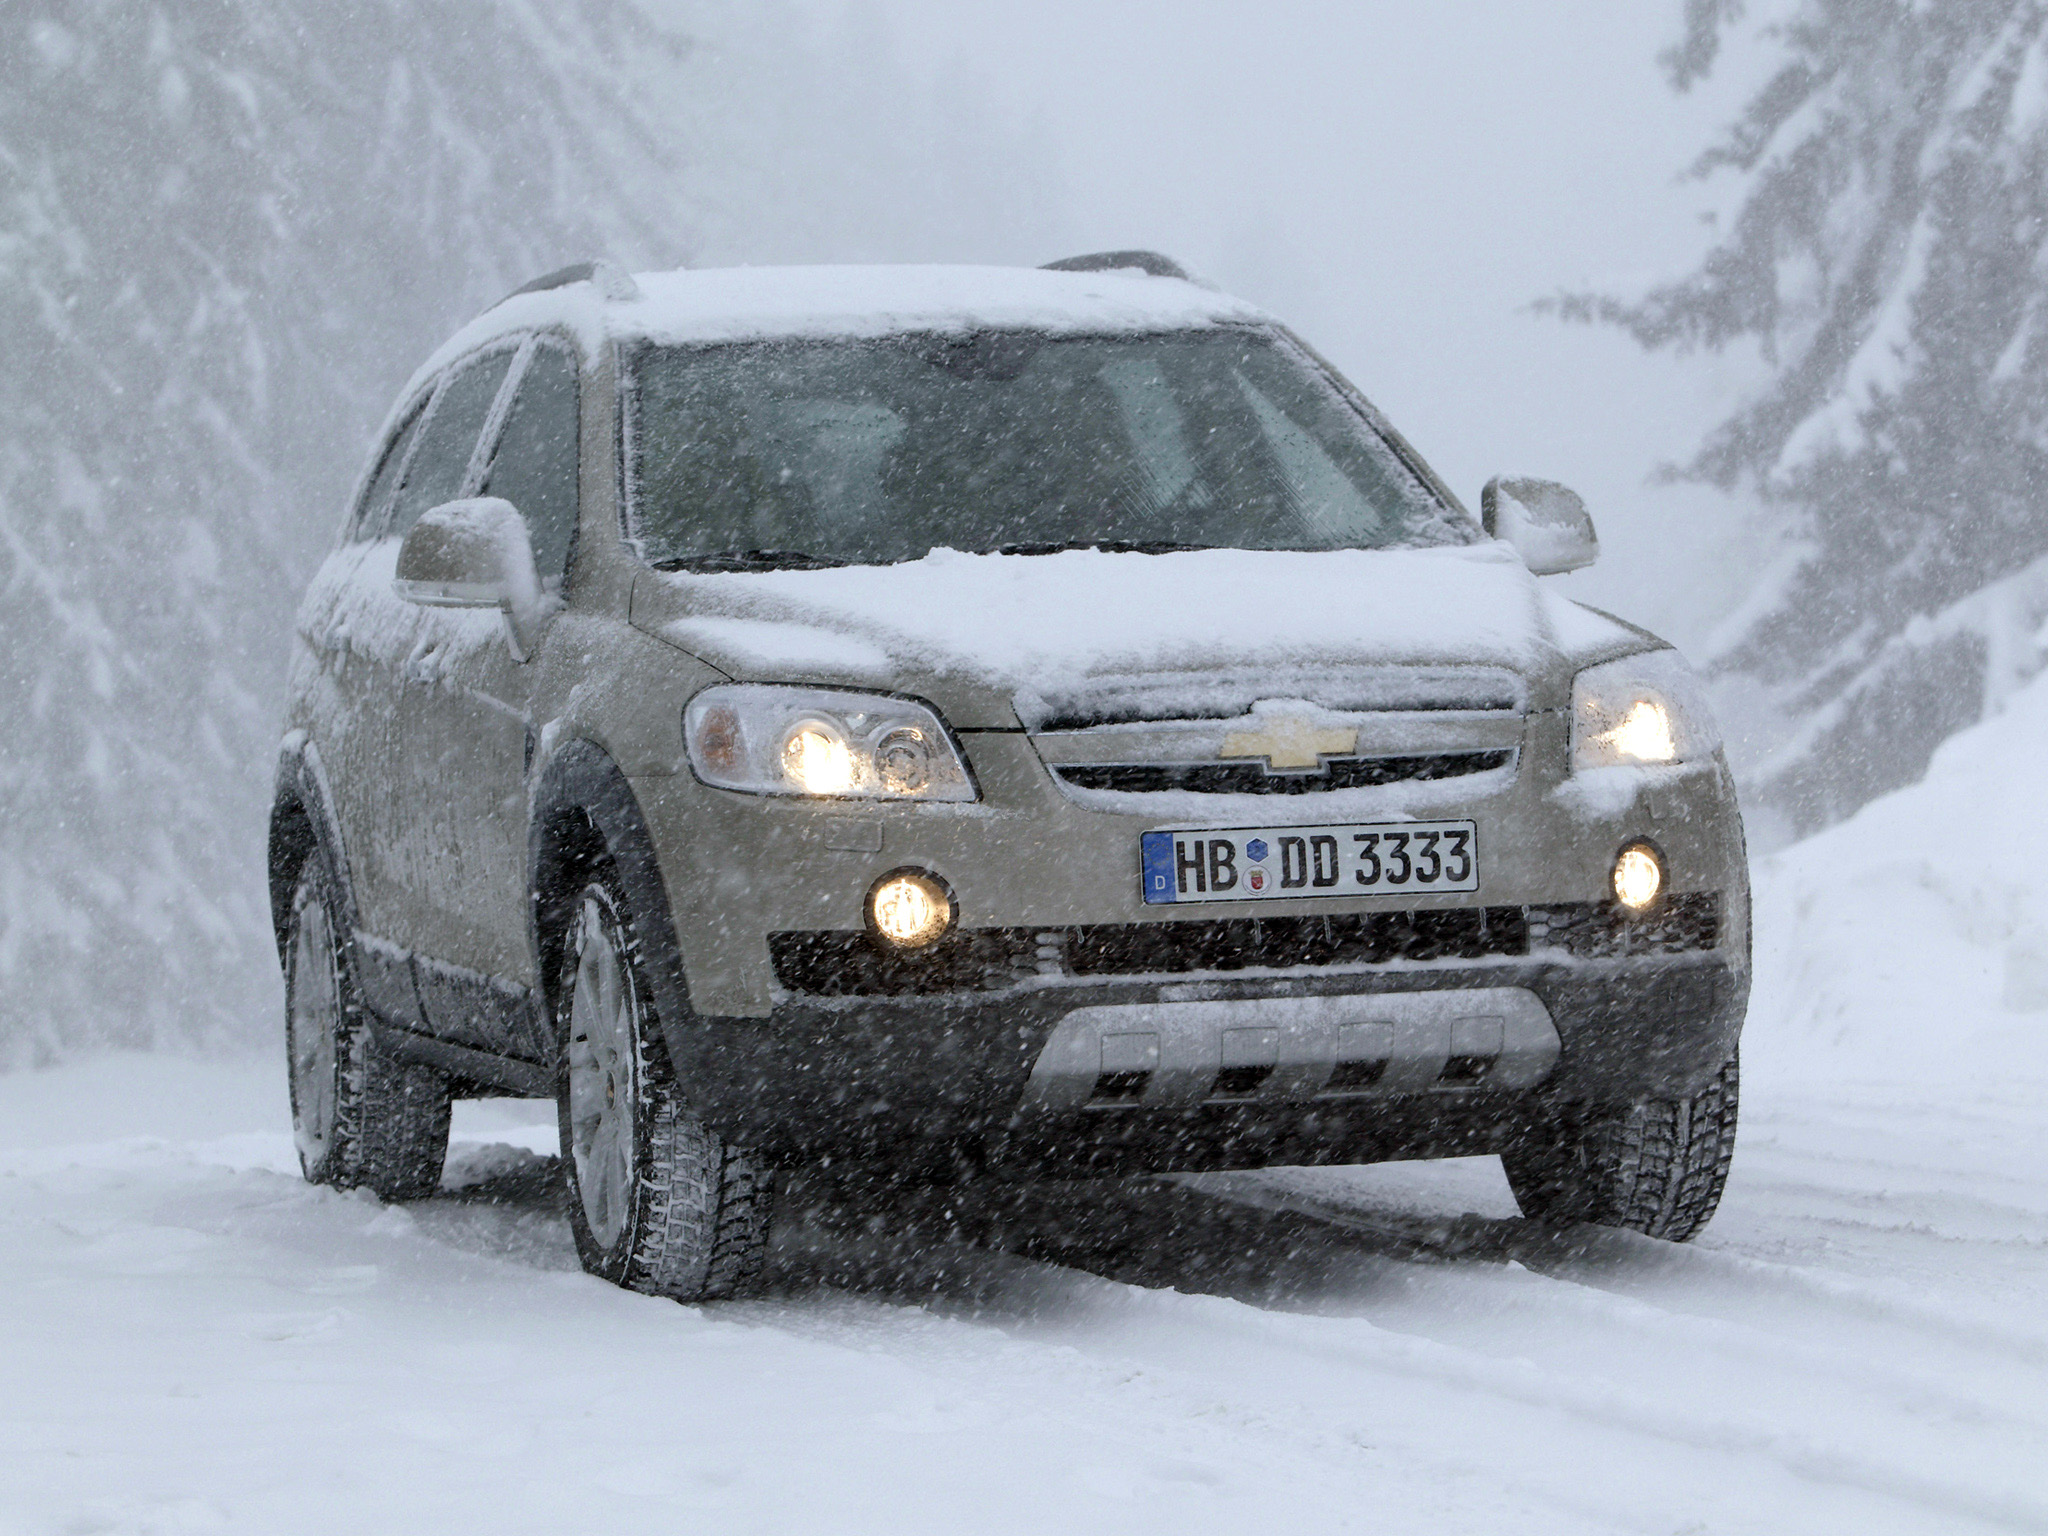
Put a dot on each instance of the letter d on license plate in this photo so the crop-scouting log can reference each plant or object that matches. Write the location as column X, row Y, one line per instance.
column 1286, row 863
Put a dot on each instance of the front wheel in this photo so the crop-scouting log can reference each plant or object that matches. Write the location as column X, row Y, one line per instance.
column 659, row 1203
column 361, row 1119
column 1657, row 1167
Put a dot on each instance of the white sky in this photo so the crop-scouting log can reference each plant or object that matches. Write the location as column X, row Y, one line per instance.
column 1398, row 181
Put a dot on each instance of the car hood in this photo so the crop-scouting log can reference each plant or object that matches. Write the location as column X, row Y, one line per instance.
column 989, row 637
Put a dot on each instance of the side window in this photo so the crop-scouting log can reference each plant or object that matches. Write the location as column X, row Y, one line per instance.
column 448, row 440
column 535, row 467
column 370, row 510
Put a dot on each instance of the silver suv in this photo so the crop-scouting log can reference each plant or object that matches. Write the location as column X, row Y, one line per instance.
column 979, row 722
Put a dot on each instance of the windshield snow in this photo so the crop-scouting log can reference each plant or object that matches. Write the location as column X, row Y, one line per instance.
column 869, row 452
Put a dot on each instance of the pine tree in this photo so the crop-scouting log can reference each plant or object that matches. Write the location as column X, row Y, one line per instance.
column 1888, row 255
column 229, row 229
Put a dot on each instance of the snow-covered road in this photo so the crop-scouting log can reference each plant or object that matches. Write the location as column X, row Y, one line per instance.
column 195, row 1340
column 191, row 1339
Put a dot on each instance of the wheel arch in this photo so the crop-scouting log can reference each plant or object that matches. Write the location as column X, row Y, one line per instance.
column 302, row 821
column 584, row 810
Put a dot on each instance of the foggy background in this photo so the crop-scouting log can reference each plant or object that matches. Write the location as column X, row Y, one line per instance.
column 1401, row 183
column 230, row 228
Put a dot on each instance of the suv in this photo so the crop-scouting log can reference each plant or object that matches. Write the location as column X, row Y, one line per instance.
column 975, row 721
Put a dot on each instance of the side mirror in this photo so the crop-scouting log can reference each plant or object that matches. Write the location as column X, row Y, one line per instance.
column 1545, row 523
column 476, row 554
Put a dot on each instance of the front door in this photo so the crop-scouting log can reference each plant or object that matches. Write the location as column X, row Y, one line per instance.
column 467, row 731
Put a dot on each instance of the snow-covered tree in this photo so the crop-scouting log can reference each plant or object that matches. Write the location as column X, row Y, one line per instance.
column 228, row 230
column 1886, row 250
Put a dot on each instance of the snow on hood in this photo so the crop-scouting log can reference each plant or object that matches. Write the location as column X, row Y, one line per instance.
column 1038, row 624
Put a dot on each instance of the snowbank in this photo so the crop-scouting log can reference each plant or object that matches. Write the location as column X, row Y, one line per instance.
column 1910, row 943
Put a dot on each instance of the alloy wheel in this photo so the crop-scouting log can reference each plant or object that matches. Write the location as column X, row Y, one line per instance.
column 315, row 1027
column 603, row 1077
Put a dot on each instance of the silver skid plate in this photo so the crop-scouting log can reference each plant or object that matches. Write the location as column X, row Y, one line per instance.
column 1270, row 1049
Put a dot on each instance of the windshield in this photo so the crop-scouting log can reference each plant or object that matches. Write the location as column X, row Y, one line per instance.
column 828, row 452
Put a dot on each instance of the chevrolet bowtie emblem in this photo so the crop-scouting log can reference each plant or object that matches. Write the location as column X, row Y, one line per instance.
column 1291, row 741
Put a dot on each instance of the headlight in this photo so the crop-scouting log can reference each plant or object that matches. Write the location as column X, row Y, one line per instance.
column 1641, row 710
column 772, row 740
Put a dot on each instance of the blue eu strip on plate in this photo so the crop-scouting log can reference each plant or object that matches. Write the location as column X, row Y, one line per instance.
column 1157, row 848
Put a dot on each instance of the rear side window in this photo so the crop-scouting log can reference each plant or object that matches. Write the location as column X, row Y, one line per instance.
column 370, row 511
column 448, row 441
column 535, row 467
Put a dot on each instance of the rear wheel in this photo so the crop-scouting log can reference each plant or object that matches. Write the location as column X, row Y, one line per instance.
column 659, row 1203
column 1657, row 1167
column 361, row 1118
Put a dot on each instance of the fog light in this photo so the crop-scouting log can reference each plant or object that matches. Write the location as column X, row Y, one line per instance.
column 1638, row 876
column 910, row 908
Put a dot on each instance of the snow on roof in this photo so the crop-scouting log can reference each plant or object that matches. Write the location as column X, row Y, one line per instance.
column 873, row 301
column 747, row 303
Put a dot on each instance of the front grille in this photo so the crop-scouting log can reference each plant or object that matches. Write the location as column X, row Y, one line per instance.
column 1226, row 693
column 1252, row 778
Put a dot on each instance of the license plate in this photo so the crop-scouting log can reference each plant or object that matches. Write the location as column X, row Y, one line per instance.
column 1286, row 863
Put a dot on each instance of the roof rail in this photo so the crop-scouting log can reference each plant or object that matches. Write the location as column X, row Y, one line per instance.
column 613, row 282
column 1151, row 263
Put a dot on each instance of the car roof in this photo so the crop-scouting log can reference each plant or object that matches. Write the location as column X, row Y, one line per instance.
column 597, row 303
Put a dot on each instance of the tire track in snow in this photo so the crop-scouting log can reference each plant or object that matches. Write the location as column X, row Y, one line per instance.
column 1526, row 1383
column 1139, row 1233
column 1626, row 1263
column 1378, row 1305
column 1259, row 1248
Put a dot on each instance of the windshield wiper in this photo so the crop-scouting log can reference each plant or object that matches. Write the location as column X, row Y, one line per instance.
column 752, row 560
column 1107, row 546
column 806, row 560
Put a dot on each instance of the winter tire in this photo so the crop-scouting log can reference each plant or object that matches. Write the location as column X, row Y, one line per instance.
column 1656, row 1167
column 361, row 1119
column 659, row 1203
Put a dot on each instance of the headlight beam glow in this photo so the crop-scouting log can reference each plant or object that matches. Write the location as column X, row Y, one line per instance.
column 1644, row 734
column 817, row 759
column 1649, row 710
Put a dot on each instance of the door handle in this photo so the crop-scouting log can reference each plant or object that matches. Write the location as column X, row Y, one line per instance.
column 424, row 664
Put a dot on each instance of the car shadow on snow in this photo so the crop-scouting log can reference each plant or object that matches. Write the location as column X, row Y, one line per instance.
column 502, row 1202
column 1235, row 1236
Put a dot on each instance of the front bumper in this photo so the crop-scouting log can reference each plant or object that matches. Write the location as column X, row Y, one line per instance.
column 809, row 1044
column 944, row 1080
column 741, row 869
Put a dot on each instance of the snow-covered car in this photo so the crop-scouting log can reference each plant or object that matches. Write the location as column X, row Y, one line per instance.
column 979, row 722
